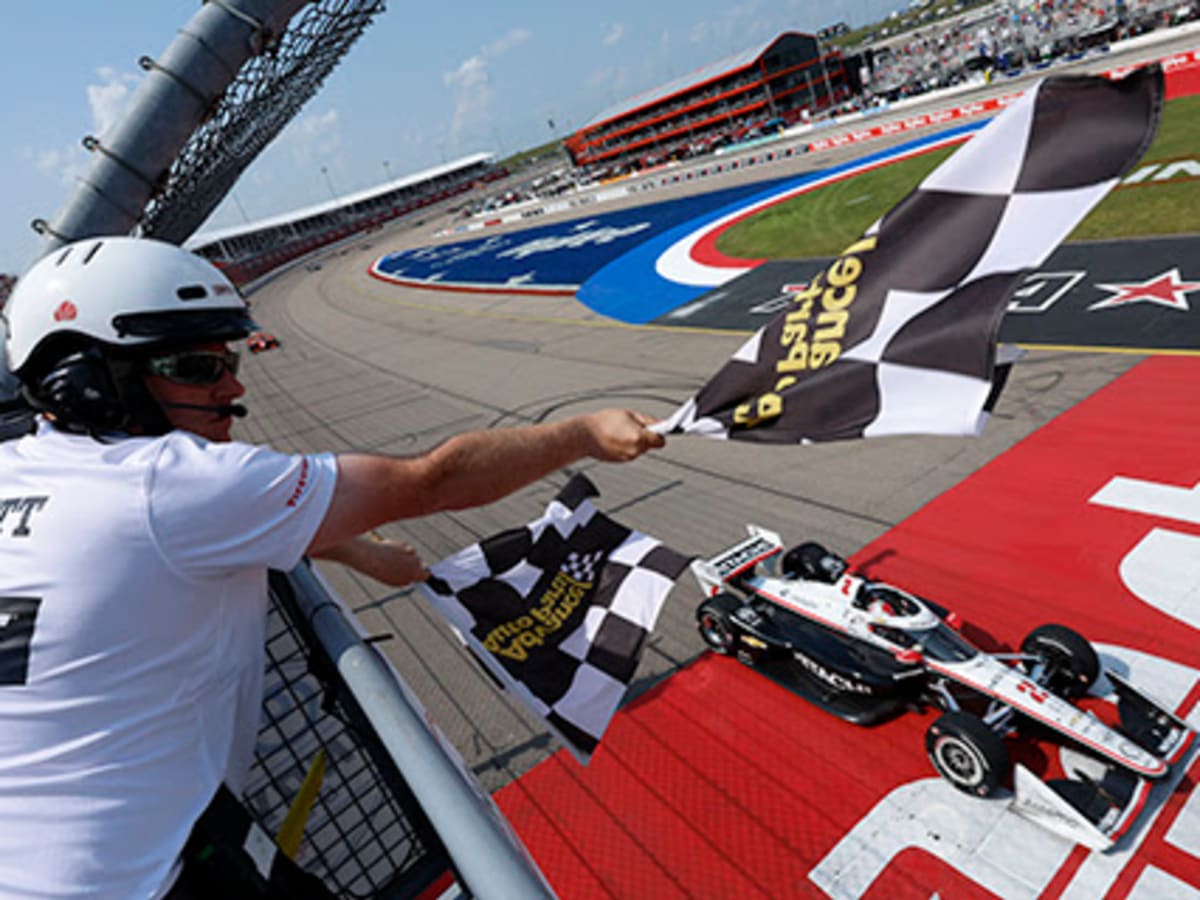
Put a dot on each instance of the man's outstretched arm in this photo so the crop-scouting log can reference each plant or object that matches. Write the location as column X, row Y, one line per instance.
column 472, row 469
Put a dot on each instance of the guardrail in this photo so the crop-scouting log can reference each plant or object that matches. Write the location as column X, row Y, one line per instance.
column 397, row 811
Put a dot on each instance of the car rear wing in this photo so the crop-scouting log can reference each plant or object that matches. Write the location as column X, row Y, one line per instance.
column 713, row 573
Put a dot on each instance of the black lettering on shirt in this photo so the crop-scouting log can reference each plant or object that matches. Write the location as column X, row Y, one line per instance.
column 21, row 509
column 17, row 618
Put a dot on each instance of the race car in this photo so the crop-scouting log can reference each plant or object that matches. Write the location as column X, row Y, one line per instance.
column 866, row 651
column 259, row 341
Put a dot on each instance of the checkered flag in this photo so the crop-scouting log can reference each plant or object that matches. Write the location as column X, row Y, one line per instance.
column 582, row 566
column 559, row 611
column 898, row 334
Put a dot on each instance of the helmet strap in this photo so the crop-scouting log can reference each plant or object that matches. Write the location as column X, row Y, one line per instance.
column 145, row 412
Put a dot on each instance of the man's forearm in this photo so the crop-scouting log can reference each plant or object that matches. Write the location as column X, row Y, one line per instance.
column 479, row 467
column 393, row 562
column 473, row 469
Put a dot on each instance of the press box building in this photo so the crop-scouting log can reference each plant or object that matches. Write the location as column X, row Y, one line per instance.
column 771, row 84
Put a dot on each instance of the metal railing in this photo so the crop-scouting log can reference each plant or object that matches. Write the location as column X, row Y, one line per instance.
column 397, row 807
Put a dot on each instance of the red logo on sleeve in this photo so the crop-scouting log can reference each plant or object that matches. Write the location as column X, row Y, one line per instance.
column 301, row 485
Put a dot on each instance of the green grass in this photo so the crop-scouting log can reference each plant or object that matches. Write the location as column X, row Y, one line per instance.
column 823, row 222
column 533, row 154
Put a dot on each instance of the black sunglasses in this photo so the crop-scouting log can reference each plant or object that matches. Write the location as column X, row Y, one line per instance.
column 194, row 367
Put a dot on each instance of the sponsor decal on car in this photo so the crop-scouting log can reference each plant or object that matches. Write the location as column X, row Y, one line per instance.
column 740, row 556
column 833, row 679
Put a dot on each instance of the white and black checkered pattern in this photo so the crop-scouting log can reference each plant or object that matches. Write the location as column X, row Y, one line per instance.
column 582, row 566
column 574, row 669
column 919, row 350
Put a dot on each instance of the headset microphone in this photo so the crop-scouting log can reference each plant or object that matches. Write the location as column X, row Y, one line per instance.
column 229, row 409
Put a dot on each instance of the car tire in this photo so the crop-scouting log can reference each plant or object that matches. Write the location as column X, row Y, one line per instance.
column 1072, row 661
column 714, row 619
column 967, row 753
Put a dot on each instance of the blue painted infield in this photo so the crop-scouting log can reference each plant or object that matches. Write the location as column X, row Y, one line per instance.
column 632, row 289
column 613, row 260
column 560, row 255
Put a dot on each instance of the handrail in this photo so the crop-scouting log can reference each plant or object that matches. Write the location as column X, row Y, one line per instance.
column 488, row 857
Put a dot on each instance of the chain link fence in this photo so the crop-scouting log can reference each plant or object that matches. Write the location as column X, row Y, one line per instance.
column 267, row 92
column 366, row 835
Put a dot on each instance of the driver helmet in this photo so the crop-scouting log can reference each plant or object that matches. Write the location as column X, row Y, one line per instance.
column 884, row 600
column 879, row 606
column 85, row 317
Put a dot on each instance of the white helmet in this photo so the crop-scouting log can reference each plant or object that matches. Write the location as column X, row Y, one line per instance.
column 122, row 292
column 79, row 317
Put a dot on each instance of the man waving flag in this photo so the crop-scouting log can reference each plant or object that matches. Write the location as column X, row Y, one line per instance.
column 898, row 334
column 559, row 611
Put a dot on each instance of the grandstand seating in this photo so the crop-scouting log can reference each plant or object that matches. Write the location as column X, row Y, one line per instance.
column 248, row 252
column 1008, row 37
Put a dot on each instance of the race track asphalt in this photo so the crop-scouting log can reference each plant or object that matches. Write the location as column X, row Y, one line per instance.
column 371, row 366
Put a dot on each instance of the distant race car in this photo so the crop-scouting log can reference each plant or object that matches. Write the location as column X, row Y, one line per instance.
column 259, row 341
column 866, row 651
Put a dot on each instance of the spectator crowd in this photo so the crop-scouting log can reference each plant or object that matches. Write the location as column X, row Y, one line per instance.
column 1009, row 37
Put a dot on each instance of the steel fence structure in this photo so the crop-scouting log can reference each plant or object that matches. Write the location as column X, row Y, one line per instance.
column 365, row 835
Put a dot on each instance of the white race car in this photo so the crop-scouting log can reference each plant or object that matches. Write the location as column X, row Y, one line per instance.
column 866, row 651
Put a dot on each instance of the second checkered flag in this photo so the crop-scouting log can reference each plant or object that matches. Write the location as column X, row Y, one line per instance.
column 559, row 611
column 898, row 334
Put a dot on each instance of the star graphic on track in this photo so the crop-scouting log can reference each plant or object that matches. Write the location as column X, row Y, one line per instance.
column 1167, row 289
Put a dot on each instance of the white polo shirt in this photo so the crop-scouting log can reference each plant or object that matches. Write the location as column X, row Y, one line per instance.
column 132, row 611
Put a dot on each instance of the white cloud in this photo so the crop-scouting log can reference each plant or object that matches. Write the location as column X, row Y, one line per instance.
column 471, row 83
column 55, row 162
column 470, row 74
column 699, row 33
column 288, row 174
column 109, row 99
column 311, row 139
column 613, row 35
column 514, row 37
column 611, row 77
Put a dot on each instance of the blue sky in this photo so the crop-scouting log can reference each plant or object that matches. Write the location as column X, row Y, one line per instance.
column 426, row 82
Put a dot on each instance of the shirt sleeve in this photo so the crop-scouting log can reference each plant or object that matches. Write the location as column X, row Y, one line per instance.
column 214, row 508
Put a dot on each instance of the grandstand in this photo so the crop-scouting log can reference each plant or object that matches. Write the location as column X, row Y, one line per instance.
column 248, row 251
column 1007, row 37
column 773, row 83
